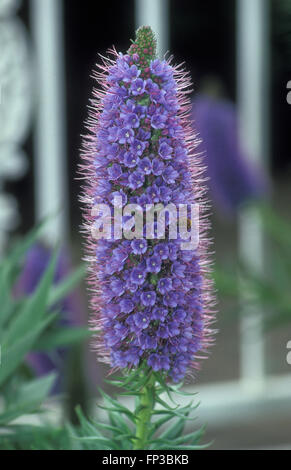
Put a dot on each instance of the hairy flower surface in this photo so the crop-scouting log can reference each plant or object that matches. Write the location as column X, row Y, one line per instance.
column 152, row 301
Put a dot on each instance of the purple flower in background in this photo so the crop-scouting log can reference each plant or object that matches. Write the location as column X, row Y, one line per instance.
column 144, row 199
column 35, row 264
column 152, row 302
column 116, row 196
column 233, row 180
column 112, row 150
column 120, row 254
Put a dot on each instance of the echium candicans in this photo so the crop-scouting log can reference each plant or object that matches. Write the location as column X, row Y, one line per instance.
column 152, row 301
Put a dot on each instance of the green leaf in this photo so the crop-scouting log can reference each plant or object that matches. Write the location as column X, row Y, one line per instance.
column 21, row 247
column 30, row 396
column 60, row 337
column 64, row 287
column 13, row 355
column 175, row 430
column 186, row 447
column 116, row 406
column 277, row 227
column 86, row 425
column 119, row 422
column 186, row 440
column 34, row 308
column 30, row 437
column 101, row 441
column 5, row 288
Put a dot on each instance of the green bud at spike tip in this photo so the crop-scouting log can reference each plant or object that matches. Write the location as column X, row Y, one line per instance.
column 145, row 45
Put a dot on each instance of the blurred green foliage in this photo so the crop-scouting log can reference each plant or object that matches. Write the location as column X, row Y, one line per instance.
column 165, row 426
column 272, row 288
column 26, row 324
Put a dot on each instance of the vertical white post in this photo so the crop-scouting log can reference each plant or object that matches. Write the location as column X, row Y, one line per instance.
column 154, row 13
column 252, row 84
column 16, row 99
column 50, row 149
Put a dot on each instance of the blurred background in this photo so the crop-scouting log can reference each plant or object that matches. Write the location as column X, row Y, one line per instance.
column 239, row 55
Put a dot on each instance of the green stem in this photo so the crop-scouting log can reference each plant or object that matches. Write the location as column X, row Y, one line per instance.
column 143, row 413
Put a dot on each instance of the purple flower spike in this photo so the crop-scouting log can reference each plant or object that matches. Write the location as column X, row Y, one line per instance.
column 152, row 300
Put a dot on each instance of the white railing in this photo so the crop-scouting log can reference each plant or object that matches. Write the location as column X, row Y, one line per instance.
column 16, row 100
